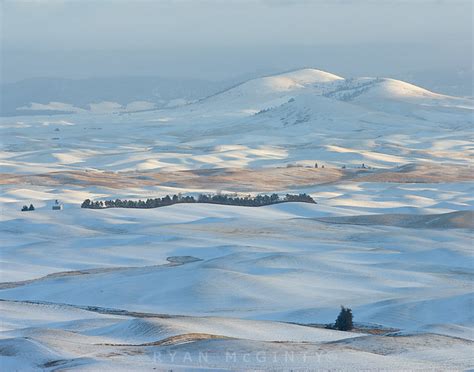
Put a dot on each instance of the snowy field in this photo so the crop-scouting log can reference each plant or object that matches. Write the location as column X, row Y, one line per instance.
column 196, row 286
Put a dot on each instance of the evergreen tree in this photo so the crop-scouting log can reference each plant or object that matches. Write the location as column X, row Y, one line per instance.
column 31, row 208
column 344, row 320
column 86, row 203
column 24, row 209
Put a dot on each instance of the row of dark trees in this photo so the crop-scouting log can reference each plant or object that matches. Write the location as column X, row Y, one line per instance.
column 247, row 201
column 26, row 208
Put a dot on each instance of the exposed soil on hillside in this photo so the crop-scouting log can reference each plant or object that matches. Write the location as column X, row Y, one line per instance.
column 240, row 179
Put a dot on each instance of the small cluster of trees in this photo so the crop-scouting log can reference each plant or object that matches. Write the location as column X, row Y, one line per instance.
column 247, row 201
column 26, row 208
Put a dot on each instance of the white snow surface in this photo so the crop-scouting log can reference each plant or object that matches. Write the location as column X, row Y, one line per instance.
column 300, row 116
column 393, row 252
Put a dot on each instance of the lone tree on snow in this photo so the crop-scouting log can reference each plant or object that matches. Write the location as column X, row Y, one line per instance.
column 344, row 320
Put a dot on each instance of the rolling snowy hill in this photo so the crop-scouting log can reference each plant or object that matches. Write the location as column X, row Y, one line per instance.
column 390, row 235
column 302, row 116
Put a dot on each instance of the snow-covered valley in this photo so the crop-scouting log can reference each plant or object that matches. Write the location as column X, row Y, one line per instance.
column 166, row 288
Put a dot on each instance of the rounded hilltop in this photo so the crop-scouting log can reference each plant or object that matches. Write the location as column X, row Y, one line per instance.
column 290, row 81
column 393, row 88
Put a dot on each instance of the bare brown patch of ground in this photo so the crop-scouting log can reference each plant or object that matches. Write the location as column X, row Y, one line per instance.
column 421, row 173
column 371, row 330
column 178, row 339
column 264, row 179
column 243, row 180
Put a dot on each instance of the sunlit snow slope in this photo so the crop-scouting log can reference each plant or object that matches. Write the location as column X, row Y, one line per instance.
column 301, row 116
column 390, row 235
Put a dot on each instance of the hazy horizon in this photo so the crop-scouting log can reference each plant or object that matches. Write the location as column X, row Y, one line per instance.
column 236, row 39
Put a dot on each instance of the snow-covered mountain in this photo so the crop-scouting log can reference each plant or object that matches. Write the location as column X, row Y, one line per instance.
column 301, row 116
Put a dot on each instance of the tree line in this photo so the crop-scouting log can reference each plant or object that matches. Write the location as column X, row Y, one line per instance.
column 246, row 201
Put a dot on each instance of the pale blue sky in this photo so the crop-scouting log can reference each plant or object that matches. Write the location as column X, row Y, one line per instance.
column 221, row 39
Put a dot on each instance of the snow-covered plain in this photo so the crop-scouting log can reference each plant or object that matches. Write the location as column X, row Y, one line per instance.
column 393, row 242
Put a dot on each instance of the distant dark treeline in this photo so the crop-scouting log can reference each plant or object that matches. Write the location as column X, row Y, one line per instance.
column 247, row 201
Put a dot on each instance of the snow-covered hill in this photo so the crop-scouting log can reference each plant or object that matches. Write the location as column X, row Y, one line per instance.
column 361, row 91
column 51, row 336
column 303, row 116
column 390, row 235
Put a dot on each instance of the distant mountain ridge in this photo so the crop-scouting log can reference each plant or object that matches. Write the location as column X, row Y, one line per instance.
column 76, row 94
column 53, row 96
